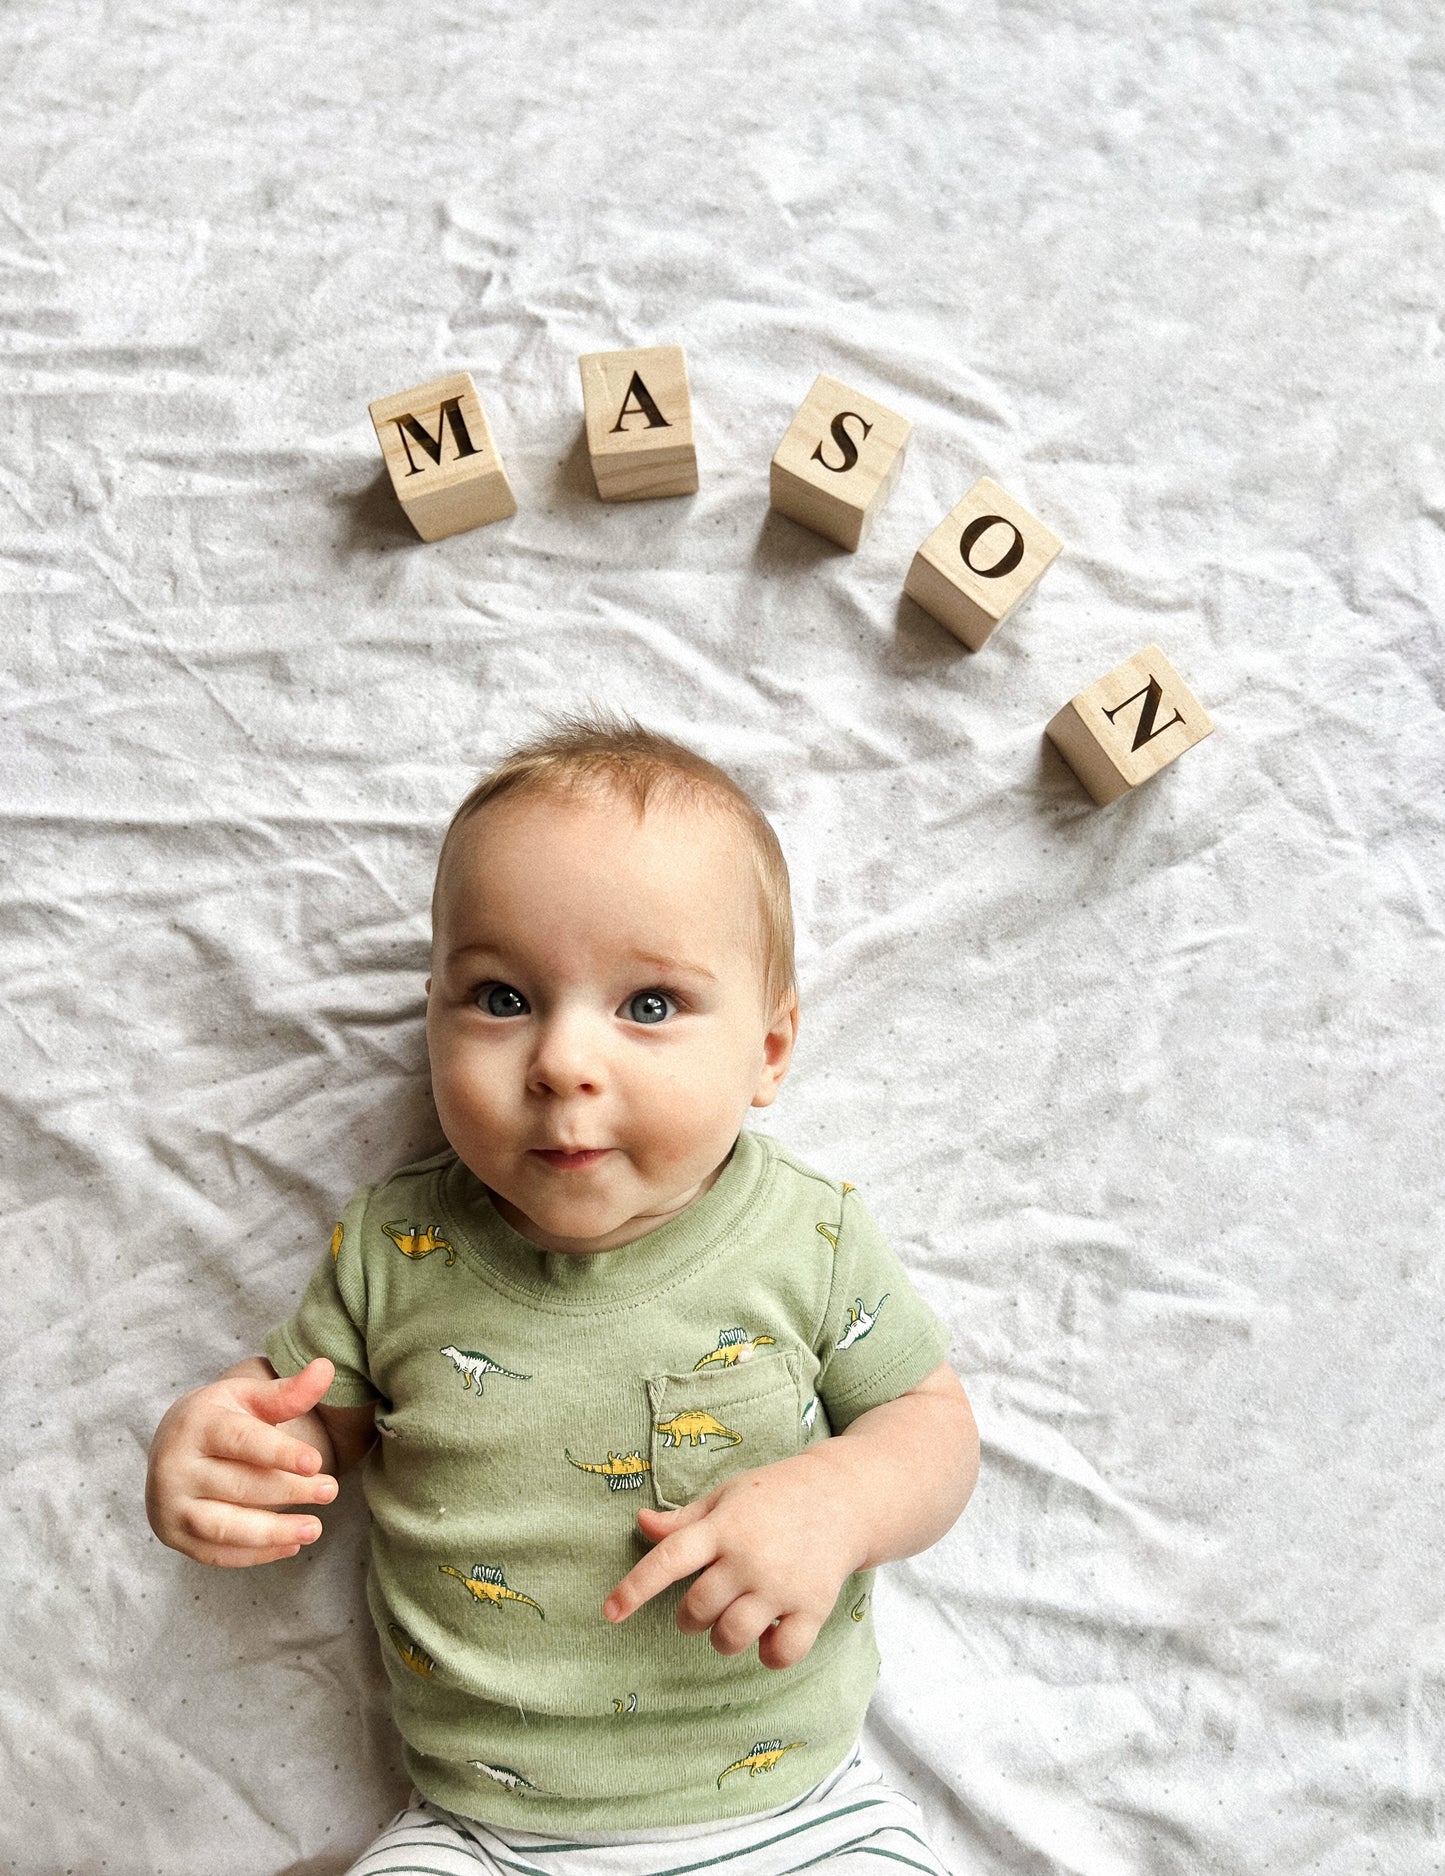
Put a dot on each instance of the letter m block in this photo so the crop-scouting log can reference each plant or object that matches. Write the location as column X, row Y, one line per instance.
column 443, row 463
column 1129, row 725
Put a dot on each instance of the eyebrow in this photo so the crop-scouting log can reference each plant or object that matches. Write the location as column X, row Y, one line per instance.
column 658, row 959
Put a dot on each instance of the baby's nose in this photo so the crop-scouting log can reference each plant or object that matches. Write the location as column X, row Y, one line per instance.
column 568, row 1057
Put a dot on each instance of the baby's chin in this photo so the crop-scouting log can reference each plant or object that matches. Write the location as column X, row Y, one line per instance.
column 584, row 1225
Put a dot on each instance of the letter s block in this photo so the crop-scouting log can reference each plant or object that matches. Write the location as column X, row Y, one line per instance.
column 979, row 562
column 444, row 465
column 1129, row 725
column 639, row 423
column 838, row 462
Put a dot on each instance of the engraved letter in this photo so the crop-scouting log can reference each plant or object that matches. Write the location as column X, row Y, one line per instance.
column 644, row 407
column 844, row 442
column 1146, row 732
column 1000, row 567
column 451, row 410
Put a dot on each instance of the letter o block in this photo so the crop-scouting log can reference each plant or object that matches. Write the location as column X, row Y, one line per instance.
column 986, row 555
column 1129, row 725
column 639, row 423
column 444, row 465
column 838, row 462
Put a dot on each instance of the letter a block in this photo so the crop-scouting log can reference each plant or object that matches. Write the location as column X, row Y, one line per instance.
column 444, row 465
column 1129, row 725
column 836, row 466
column 639, row 423
column 979, row 562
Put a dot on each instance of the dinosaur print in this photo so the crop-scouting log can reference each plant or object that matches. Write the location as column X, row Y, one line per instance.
column 504, row 1775
column 471, row 1364
column 857, row 1610
column 622, row 1471
column 694, row 1426
column 733, row 1346
column 487, row 1584
column 860, row 1321
column 830, row 1232
column 412, row 1241
column 336, row 1236
column 810, row 1413
column 763, row 1757
column 385, row 1428
column 415, row 1658
column 848, row 1188
column 625, row 1706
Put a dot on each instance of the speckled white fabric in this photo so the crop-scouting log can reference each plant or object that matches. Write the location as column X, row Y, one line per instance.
column 1149, row 1097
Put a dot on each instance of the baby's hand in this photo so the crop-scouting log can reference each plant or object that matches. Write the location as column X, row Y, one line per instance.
column 218, row 1460
column 774, row 1545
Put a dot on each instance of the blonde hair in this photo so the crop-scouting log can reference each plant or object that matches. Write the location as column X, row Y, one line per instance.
column 599, row 753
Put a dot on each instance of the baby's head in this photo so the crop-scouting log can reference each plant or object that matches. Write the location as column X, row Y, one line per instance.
column 612, row 981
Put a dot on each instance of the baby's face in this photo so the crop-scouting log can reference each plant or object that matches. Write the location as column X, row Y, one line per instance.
column 596, row 1015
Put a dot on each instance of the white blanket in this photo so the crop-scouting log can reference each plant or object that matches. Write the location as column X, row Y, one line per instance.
column 1148, row 1095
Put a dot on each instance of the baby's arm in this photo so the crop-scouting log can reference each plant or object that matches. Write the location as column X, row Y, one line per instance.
column 777, row 1543
column 226, row 1455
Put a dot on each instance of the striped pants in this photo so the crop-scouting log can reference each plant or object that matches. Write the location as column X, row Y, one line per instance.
column 852, row 1822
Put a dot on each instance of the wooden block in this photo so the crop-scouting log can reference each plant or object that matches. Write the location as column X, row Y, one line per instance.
column 639, row 423
column 444, row 465
column 979, row 562
column 836, row 466
column 1129, row 725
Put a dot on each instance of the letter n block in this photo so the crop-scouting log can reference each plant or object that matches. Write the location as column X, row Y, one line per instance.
column 979, row 562
column 838, row 462
column 1129, row 725
column 444, row 465
column 639, row 423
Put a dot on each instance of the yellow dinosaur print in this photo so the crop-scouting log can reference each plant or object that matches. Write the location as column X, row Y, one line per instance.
column 412, row 1241
column 487, row 1584
column 415, row 1658
column 336, row 1236
column 857, row 1610
column 763, row 1757
column 694, row 1426
column 622, row 1471
column 625, row 1706
column 830, row 1232
column 733, row 1346
column 848, row 1188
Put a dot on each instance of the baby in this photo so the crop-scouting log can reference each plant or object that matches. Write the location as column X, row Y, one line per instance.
column 644, row 1400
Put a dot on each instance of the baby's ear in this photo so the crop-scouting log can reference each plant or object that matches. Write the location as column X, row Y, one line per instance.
column 777, row 1052
column 427, row 986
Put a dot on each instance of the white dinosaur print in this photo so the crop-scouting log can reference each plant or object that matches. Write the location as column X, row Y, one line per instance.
column 860, row 1321
column 471, row 1364
column 504, row 1775
column 810, row 1412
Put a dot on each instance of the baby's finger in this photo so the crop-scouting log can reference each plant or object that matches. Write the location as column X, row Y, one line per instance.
column 706, row 1600
column 291, row 1395
column 789, row 1642
column 262, row 1485
column 742, row 1622
column 661, row 1524
column 238, row 1437
column 221, row 1526
column 677, row 1556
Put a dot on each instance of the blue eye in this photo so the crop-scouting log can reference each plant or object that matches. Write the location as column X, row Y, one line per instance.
column 502, row 1000
column 649, row 1006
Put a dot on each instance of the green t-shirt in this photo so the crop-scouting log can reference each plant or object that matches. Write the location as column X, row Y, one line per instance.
column 528, row 1403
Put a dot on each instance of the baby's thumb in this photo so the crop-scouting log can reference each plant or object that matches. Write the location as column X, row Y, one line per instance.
column 662, row 1524
column 292, row 1395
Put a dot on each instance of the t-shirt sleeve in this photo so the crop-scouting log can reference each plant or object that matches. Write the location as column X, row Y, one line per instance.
column 878, row 1337
column 331, row 1318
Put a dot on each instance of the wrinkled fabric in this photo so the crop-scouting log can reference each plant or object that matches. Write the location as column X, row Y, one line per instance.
column 1147, row 1097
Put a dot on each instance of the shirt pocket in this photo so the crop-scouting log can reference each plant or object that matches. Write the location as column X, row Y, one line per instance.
column 707, row 1425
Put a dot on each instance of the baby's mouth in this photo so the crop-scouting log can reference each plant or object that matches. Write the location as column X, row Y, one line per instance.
column 570, row 1160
